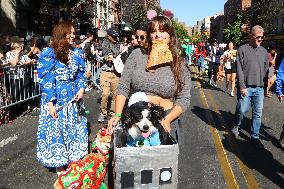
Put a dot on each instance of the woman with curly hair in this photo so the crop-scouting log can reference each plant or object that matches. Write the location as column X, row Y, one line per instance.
column 160, row 73
column 62, row 132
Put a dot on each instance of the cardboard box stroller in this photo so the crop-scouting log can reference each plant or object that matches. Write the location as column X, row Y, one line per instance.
column 145, row 167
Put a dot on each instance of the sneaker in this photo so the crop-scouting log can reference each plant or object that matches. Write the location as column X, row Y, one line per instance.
column 235, row 131
column 232, row 94
column 101, row 118
column 257, row 143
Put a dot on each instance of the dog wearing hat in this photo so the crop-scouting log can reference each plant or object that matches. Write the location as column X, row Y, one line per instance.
column 141, row 121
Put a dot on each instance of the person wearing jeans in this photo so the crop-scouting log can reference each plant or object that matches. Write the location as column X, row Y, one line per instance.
column 252, row 66
column 255, row 96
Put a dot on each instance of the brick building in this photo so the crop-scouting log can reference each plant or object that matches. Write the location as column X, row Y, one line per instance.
column 232, row 7
column 217, row 27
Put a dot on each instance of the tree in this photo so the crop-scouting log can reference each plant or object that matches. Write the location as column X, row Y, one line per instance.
column 139, row 14
column 263, row 12
column 139, row 17
column 204, row 35
column 181, row 31
column 233, row 31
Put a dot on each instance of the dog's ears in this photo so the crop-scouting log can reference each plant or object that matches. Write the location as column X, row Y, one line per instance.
column 126, row 118
column 157, row 112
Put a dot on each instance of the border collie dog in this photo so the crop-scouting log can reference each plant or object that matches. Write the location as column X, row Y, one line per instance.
column 142, row 123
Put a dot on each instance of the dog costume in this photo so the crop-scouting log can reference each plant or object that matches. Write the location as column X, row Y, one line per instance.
column 151, row 139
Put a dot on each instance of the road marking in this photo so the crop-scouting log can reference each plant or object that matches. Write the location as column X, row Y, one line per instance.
column 8, row 140
column 226, row 168
column 247, row 173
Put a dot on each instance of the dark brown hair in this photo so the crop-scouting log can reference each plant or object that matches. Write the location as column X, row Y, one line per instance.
column 59, row 41
column 166, row 25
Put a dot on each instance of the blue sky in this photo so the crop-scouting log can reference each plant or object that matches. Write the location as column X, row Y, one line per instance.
column 189, row 11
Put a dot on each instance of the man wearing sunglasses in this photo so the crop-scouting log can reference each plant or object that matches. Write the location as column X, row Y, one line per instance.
column 141, row 37
column 252, row 65
column 138, row 40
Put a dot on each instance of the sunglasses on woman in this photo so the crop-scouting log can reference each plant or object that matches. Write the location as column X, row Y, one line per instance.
column 142, row 37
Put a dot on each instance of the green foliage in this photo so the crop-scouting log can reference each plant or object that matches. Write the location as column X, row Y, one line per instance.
column 204, row 35
column 181, row 31
column 233, row 31
column 263, row 12
column 139, row 14
column 139, row 17
column 196, row 38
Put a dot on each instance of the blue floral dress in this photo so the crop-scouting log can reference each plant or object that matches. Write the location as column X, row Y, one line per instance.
column 65, row 139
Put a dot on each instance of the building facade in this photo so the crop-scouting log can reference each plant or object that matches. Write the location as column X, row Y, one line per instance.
column 217, row 27
column 114, row 13
column 205, row 22
column 232, row 7
column 21, row 16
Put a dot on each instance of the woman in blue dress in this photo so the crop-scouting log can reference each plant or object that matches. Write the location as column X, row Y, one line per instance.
column 62, row 132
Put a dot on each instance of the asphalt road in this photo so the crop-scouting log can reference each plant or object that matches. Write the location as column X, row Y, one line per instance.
column 211, row 157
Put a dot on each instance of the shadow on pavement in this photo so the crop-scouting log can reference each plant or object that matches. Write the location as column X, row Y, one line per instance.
column 260, row 160
column 205, row 85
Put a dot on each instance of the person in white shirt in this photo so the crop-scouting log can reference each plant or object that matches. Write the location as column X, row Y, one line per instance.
column 15, row 57
column 229, row 62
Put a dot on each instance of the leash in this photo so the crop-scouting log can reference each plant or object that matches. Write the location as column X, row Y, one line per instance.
column 59, row 108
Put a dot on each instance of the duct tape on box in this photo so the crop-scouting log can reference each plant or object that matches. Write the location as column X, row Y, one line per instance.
column 145, row 167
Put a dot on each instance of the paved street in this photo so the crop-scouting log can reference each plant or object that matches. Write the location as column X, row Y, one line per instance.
column 211, row 158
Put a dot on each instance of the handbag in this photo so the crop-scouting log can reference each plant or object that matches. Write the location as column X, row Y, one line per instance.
column 118, row 63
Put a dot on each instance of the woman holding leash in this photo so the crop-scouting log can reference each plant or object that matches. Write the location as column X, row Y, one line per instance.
column 62, row 132
column 161, row 73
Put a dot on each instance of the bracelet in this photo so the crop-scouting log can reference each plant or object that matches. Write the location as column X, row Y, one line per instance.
column 117, row 115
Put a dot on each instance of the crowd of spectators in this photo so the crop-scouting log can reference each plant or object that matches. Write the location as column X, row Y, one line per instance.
column 18, row 70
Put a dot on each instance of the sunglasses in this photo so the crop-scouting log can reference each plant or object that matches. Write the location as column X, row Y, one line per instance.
column 142, row 37
column 259, row 37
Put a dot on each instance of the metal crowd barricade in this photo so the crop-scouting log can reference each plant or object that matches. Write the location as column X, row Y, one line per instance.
column 96, row 71
column 21, row 83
